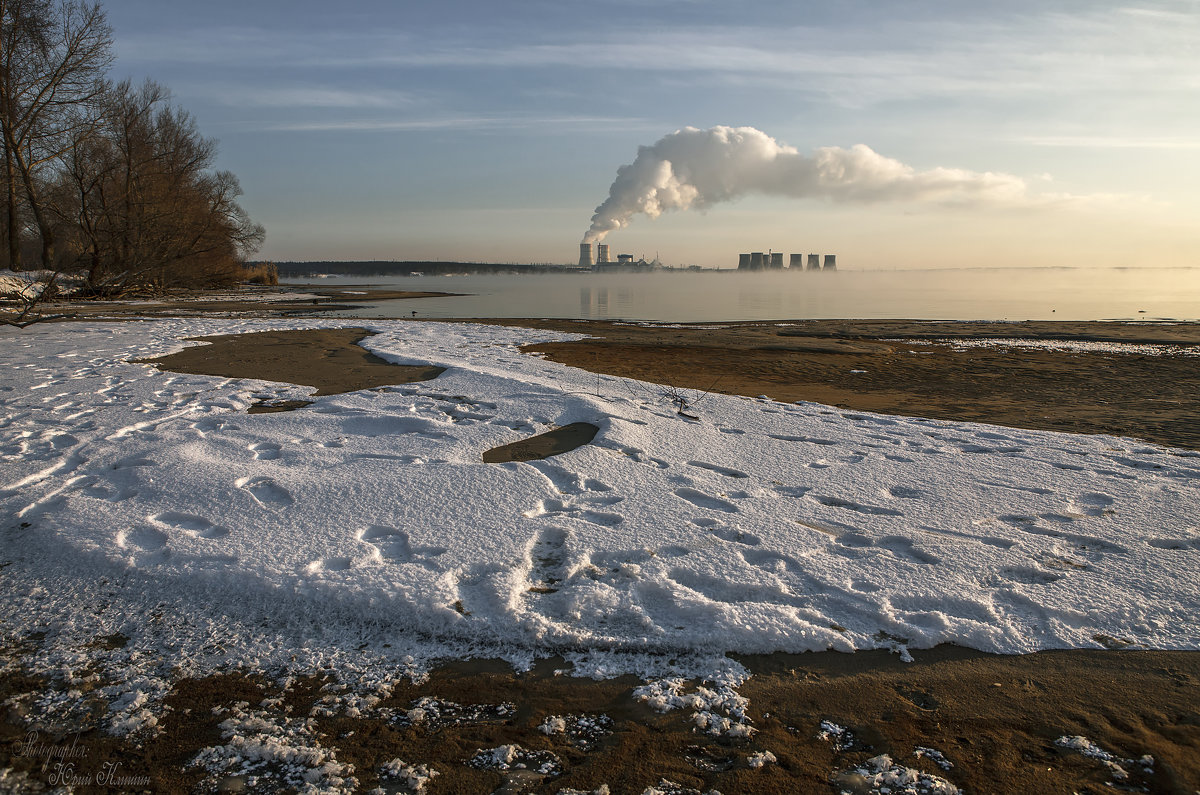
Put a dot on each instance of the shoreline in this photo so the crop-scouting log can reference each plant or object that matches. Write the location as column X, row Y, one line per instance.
column 928, row 369
column 996, row 717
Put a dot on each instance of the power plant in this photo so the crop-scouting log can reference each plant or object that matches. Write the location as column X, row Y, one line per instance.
column 603, row 260
column 773, row 260
column 597, row 257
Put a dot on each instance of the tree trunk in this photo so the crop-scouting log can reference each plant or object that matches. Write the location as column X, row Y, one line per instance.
column 14, row 231
column 39, row 212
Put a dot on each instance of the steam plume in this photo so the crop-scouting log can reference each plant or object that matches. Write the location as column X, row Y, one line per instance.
column 695, row 169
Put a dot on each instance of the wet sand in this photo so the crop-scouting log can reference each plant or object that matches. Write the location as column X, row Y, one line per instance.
column 994, row 717
column 291, row 300
column 913, row 368
column 328, row 359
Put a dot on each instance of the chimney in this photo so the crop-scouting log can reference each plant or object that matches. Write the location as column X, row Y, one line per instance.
column 585, row 255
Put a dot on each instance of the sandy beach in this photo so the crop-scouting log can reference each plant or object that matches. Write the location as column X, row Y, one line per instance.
column 920, row 369
column 998, row 723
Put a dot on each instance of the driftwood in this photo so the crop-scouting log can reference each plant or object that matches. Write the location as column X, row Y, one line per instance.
column 28, row 304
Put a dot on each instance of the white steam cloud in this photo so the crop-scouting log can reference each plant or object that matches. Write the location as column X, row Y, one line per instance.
column 695, row 169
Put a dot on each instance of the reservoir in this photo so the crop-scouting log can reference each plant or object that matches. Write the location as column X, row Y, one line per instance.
column 1141, row 294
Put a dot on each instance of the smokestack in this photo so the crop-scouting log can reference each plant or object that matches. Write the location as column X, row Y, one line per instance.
column 814, row 262
column 585, row 255
column 796, row 262
column 831, row 262
column 602, row 253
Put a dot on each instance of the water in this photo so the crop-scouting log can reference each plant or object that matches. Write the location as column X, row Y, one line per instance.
column 964, row 294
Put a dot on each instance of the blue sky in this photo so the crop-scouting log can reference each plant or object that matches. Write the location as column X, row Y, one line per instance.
column 491, row 131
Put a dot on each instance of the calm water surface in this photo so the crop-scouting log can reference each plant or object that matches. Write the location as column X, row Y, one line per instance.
column 966, row 294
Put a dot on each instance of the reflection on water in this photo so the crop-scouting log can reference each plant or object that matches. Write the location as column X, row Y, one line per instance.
column 966, row 294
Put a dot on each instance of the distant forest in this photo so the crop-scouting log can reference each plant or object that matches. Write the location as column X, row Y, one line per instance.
column 293, row 270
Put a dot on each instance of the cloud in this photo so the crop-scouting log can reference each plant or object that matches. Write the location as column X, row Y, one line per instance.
column 695, row 169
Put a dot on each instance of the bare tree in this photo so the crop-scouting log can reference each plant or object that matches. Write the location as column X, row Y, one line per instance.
column 146, row 208
column 53, row 58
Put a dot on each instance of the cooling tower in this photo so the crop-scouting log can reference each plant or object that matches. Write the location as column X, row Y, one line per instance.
column 814, row 262
column 601, row 253
column 585, row 255
column 757, row 261
column 796, row 262
column 831, row 262
column 777, row 260
column 743, row 262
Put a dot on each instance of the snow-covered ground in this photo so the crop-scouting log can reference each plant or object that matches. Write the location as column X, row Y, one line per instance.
column 149, row 503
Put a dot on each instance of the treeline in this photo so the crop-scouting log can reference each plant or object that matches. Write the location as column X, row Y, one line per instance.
column 294, row 270
column 106, row 182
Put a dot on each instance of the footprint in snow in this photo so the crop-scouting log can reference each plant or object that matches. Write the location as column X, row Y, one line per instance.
column 99, row 491
column 566, row 509
column 720, row 470
column 1174, row 543
column 735, row 536
column 702, row 500
column 850, row 505
column 329, row 564
column 147, row 539
column 1093, row 504
column 265, row 492
column 264, row 451
column 134, row 462
column 189, row 523
column 394, row 545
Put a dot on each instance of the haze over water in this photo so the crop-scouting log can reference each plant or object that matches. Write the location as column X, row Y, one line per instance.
column 714, row 296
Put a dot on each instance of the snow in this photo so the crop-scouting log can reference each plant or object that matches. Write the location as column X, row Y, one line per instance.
column 415, row 777
column 259, row 742
column 507, row 757
column 881, row 774
column 1107, row 347
column 761, row 759
column 366, row 529
column 1118, row 768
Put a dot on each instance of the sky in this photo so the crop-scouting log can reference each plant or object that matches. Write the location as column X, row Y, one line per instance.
column 484, row 131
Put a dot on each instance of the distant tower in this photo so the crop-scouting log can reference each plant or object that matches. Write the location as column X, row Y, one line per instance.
column 585, row 255
column 814, row 262
column 831, row 262
column 602, row 254
column 743, row 262
column 776, row 260
column 757, row 261
column 796, row 262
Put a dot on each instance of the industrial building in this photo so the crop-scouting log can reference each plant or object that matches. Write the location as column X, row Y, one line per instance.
column 603, row 260
column 773, row 260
